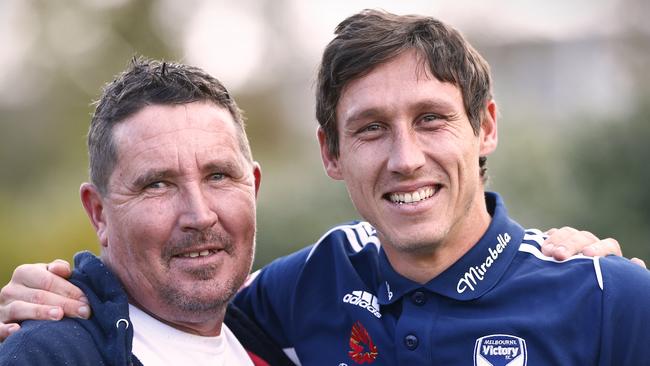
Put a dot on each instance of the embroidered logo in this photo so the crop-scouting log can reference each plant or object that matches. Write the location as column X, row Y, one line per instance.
column 365, row 300
column 388, row 291
column 362, row 349
column 477, row 273
column 500, row 350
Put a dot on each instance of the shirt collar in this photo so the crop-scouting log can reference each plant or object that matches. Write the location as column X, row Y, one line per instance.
column 472, row 275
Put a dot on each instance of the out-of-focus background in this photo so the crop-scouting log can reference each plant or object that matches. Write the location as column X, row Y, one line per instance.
column 571, row 80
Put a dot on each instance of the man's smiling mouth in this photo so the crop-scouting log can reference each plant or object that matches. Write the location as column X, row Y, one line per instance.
column 416, row 196
column 203, row 253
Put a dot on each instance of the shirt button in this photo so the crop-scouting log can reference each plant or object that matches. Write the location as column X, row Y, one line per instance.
column 418, row 297
column 411, row 342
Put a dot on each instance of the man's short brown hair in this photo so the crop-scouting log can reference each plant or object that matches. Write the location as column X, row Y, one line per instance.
column 371, row 38
column 151, row 82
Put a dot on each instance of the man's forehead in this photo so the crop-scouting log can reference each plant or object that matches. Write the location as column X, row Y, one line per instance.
column 156, row 120
column 180, row 134
column 409, row 64
column 400, row 83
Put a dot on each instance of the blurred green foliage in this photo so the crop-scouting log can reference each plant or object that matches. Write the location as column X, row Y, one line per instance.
column 610, row 165
column 592, row 175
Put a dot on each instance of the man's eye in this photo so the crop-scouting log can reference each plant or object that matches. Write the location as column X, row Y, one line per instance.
column 217, row 176
column 372, row 127
column 430, row 117
column 156, row 185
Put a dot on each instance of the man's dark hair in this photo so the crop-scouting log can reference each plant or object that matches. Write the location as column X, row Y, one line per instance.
column 371, row 38
column 150, row 82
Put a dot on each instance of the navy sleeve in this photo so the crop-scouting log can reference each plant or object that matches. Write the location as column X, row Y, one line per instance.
column 626, row 313
column 269, row 297
column 49, row 343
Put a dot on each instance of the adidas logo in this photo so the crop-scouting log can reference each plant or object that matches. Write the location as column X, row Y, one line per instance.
column 365, row 300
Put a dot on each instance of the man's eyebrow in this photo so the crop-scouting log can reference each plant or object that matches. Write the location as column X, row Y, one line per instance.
column 223, row 163
column 234, row 168
column 434, row 105
column 368, row 113
column 218, row 166
column 150, row 176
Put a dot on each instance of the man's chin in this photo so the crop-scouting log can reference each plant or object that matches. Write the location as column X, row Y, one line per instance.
column 412, row 242
column 201, row 297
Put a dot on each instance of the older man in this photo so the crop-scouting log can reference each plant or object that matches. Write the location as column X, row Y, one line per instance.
column 172, row 200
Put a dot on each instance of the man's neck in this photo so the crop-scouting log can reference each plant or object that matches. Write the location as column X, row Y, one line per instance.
column 421, row 266
column 209, row 327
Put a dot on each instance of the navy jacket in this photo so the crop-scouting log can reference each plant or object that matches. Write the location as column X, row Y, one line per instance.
column 106, row 338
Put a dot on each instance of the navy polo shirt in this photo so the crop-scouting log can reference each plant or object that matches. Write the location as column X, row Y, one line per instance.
column 339, row 302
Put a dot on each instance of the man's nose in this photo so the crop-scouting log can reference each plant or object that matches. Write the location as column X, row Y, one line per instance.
column 198, row 212
column 405, row 155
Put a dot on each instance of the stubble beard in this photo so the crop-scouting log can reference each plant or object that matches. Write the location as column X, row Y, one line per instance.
column 208, row 295
column 219, row 296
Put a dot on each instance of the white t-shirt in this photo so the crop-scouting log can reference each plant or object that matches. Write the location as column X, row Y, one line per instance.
column 156, row 343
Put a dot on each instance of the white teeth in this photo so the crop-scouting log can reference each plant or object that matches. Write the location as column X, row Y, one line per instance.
column 416, row 196
column 411, row 197
column 196, row 254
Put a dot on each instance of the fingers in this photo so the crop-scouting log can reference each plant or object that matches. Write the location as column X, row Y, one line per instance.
column 565, row 242
column 41, row 305
column 639, row 261
column 7, row 329
column 21, row 310
column 602, row 248
column 36, row 293
column 37, row 276
column 551, row 231
column 60, row 268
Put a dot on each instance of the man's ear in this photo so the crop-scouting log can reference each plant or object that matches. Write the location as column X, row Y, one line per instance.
column 257, row 174
column 330, row 163
column 488, row 133
column 93, row 203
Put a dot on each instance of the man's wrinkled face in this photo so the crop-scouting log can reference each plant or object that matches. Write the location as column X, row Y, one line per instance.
column 180, row 210
column 408, row 155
